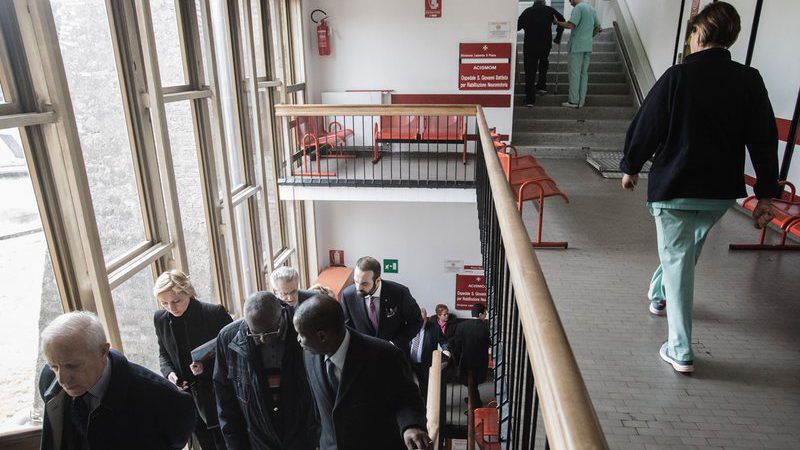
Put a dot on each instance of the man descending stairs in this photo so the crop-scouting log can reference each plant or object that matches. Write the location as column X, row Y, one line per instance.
column 595, row 131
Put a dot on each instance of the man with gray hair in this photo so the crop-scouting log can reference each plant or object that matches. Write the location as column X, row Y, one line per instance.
column 285, row 283
column 95, row 398
column 260, row 383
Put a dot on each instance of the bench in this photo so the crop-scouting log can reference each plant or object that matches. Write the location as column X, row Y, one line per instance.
column 529, row 181
column 409, row 129
column 787, row 218
column 487, row 429
column 394, row 129
column 446, row 130
column 312, row 137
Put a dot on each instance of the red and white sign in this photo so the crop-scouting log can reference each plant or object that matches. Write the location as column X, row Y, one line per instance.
column 470, row 287
column 433, row 9
column 336, row 257
column 484, row 67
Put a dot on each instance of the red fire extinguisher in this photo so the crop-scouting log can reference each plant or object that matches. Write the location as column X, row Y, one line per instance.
column 323, row 33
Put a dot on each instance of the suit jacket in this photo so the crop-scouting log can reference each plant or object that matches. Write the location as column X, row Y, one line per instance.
column 139, row 409
column 245, row 409
column 399, row 319
column 471, row 349
column 377, row 399
column 203, row 322
column 432, row 340
column 450, row 329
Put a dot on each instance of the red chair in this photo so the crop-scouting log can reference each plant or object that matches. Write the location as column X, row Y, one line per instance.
column 786, row 210
column 446, row 129
column 395, row 129
column 311, row 136
column 518, row 162
column 487, row 429
column 532, row 183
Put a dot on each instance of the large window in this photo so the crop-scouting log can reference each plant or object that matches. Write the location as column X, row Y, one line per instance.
column 141, row 140
column 83, row 29
column 29, row 288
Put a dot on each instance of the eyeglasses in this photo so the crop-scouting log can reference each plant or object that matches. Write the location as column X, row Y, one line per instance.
column 262, row 337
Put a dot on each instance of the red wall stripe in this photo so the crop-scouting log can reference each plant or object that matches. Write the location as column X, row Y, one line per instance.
column 783, row 130
column 485, row 100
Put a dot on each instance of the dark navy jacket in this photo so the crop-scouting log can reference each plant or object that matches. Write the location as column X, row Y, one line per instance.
column 246, row 411
column 537, row 21
column 696, row 122
column 399, row 319
column 377, row 398
column 140, row 409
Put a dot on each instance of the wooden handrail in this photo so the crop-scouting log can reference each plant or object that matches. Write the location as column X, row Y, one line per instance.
column 374, row 110
column 568, row 413
column 434, row 397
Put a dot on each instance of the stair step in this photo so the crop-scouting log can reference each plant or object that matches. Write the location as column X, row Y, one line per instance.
column 596, row 125
column 587, row 112
column 607, row 163
column 592, row 99
column 594, row 66
column 607, row 35
column 594, row 88
column 594, row 77
column 592, row 140
column 557, row 152
column 596, row 46
column 609, row 56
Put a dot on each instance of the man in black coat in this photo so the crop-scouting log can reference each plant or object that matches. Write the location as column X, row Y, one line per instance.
column 363, row 387
column 470, row 349
column 380, row 308
column 537, row 21
column 263, row 398
column 95, row 398
column 180, row 330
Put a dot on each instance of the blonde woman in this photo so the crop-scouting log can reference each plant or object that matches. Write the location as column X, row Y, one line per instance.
column 182, row 325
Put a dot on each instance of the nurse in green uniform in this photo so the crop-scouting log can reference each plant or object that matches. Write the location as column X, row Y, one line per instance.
column 584, row 25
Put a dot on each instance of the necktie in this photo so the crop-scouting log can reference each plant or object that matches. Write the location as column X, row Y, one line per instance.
column 373, row 312
column 415, row 347
column 333, row 380
column 80, row 421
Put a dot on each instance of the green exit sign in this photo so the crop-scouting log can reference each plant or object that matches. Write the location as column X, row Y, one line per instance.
column 390, row 266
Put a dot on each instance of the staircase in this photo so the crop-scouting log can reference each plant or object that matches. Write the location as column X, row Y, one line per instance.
column 595, row 132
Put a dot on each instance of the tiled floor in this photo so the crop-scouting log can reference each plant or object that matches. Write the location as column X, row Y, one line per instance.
column 746, row 391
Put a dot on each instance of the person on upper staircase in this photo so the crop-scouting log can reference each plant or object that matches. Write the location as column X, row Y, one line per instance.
column 537, row 21
column 584, row 25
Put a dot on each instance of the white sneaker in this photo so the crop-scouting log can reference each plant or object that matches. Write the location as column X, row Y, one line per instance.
column 570, row 105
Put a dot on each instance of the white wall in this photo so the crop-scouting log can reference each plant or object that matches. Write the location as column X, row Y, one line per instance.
column 422, row 236
column 777, row 57
column 656, row 22
column 389, row 44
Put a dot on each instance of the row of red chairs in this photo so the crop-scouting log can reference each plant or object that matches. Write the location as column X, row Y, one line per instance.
column 312, row 136
column 433, row 129
column 787, row 218
column 528, row 181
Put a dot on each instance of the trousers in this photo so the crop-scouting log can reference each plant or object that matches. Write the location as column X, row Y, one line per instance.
column 578, row 76
column 681, row 235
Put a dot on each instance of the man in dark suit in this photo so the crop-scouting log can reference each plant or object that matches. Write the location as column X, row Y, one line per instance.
column 95, row 398
column 380, row 308
column 470, row 349
column 428, row 339
column 184, row 324
column 260, row 382
column 363, row 387
column 285, row 283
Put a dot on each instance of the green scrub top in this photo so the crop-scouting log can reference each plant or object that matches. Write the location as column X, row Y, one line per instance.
column 585, row 19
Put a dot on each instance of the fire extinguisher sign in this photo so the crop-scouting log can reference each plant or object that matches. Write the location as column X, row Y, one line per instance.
column 433, row 9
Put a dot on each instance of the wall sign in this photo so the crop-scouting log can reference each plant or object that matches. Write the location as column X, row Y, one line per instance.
column 433, row 9
column 336, row 257
column 484, row 67
column 470, row 287
column 499, row 30
column 390, row 266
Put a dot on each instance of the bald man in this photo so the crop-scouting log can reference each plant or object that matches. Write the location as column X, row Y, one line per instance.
column 260, row 382
column 363, row 387
column 95, row 398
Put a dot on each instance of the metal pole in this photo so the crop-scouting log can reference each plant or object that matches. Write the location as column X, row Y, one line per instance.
column 790, row 141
